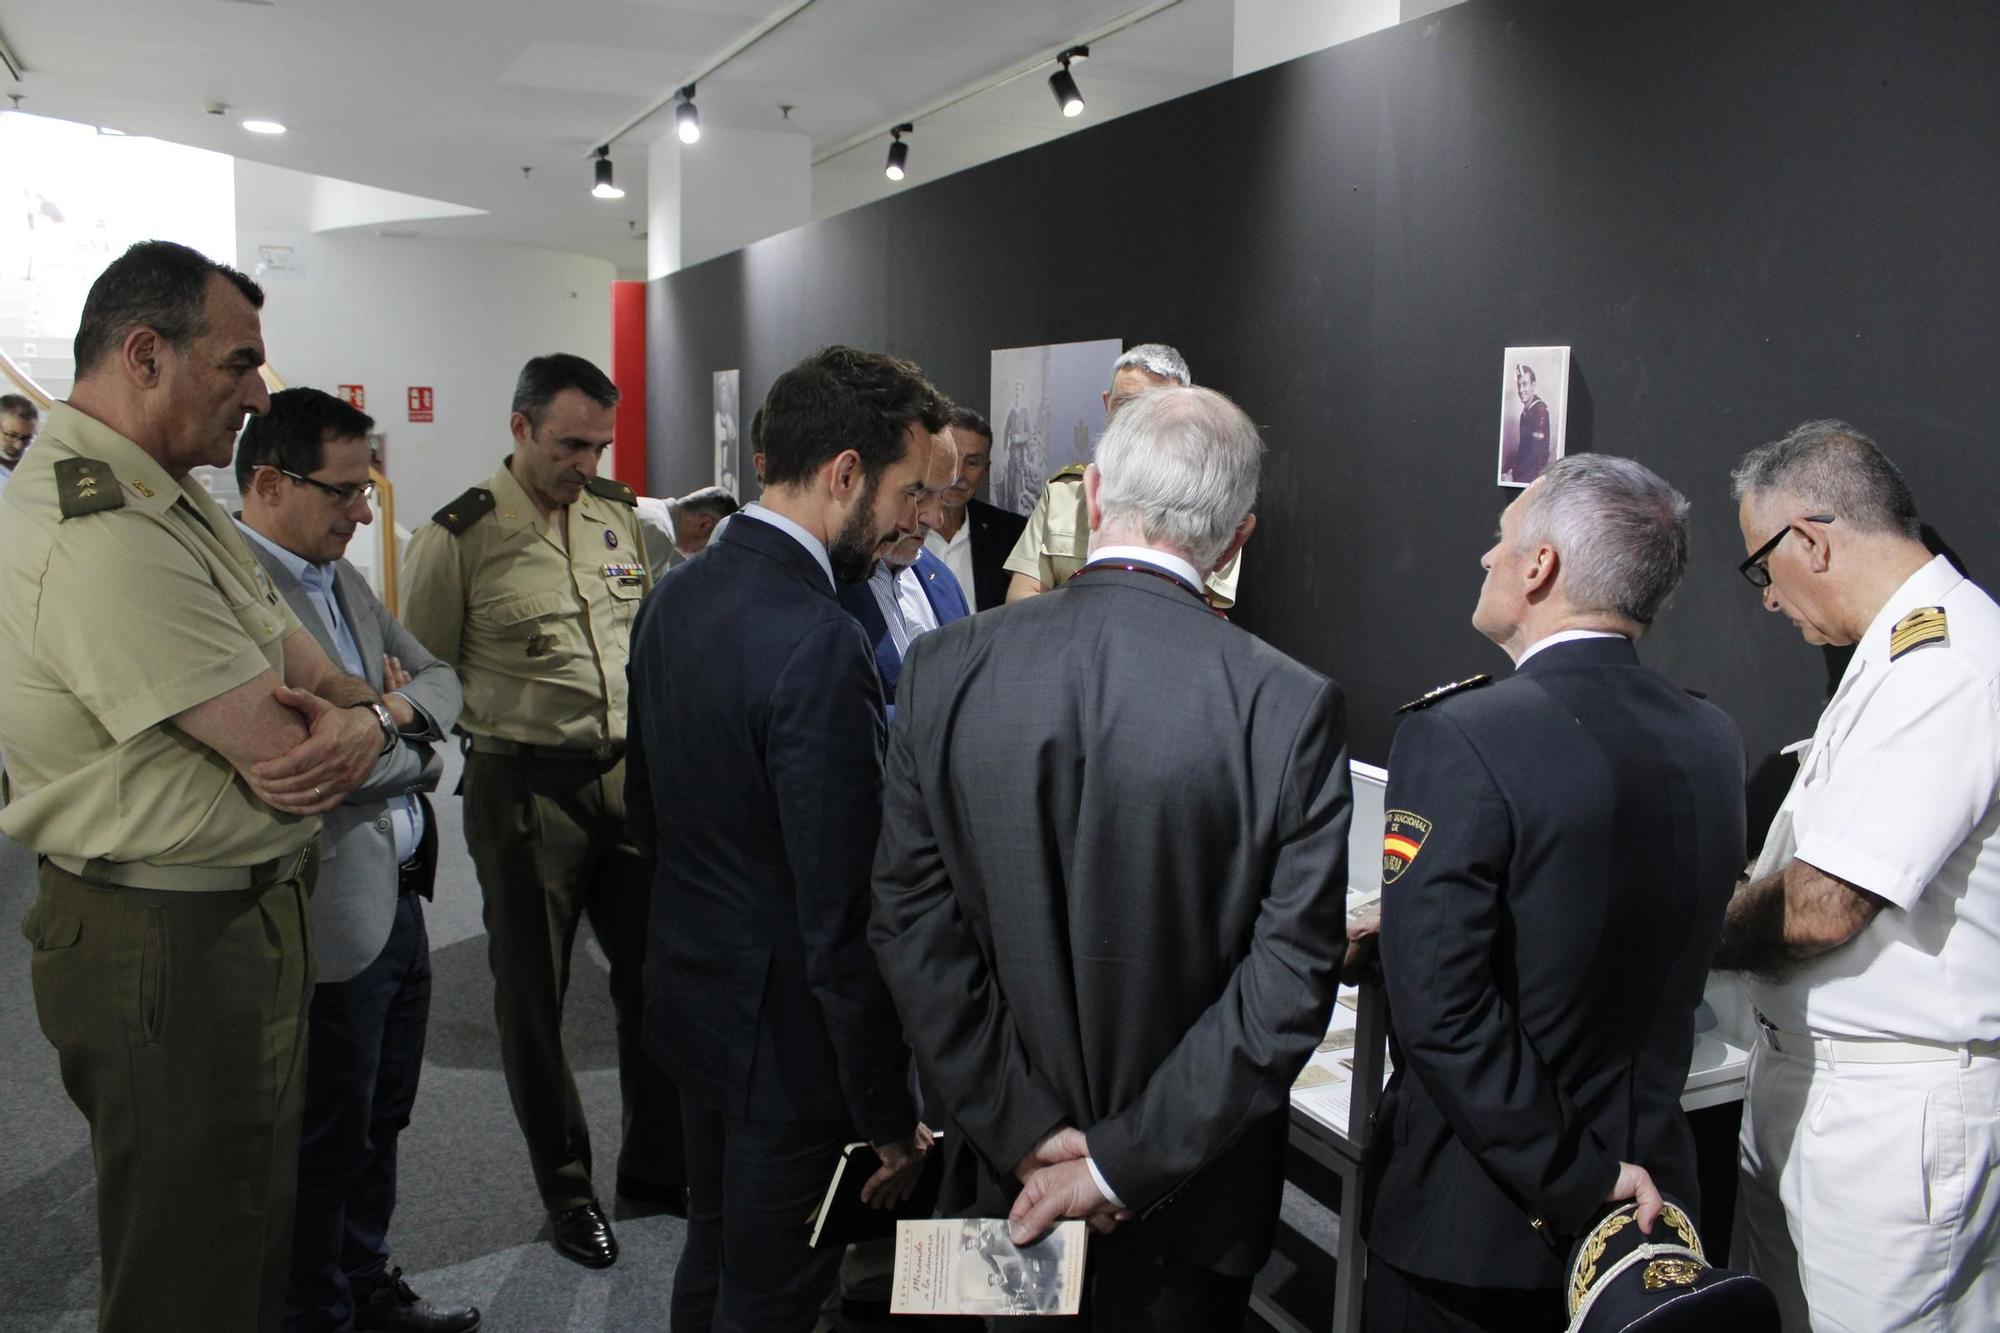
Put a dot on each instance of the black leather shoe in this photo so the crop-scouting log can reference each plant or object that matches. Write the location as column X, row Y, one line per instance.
column 658, row 1198
column 393, row 1308
column 584, row 1234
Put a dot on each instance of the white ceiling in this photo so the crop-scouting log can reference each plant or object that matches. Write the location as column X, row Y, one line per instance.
column 449, row 99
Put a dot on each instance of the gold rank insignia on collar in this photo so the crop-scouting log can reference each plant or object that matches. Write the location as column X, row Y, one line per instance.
column 1919, row 629
column 86, row 486
column 1425, row 700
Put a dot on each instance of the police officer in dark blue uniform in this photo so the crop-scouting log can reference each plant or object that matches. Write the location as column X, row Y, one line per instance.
column 1558, row 852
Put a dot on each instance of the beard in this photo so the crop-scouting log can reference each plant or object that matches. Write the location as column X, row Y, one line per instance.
column 852, row 550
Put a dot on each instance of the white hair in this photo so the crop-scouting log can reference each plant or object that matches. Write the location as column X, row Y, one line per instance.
column 1620, row 531
column 1180, row 465
column 1156, row 359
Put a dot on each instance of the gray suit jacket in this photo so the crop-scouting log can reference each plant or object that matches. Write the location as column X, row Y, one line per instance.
column 355, row 903
column 1136, row 926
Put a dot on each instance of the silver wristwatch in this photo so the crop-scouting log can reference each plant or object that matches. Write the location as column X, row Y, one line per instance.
column 390, row 734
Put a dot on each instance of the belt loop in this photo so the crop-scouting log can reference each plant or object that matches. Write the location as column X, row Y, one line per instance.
column 1965, row 1057
column 1825, row 1045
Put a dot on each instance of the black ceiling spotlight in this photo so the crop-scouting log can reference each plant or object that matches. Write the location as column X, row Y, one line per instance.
column 1068, row 96
column 899, row 152
column 604, row 189
column 687, row 120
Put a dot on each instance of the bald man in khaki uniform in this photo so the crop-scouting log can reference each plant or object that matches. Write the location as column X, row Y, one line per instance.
column 172, row 735
column 528, row 586
column 1056, row 542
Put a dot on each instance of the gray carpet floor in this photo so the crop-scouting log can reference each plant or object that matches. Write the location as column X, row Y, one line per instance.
column 468, row 1226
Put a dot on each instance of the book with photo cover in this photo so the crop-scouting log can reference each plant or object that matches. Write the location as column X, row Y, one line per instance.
column 968, row 1266
column 842, row 1219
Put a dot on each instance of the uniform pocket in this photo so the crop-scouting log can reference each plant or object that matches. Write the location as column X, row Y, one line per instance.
column 152, row 975
column 46, row 929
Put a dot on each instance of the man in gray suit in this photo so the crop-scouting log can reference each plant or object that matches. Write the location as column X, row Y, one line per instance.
column 1114, row 984
column 303, row 471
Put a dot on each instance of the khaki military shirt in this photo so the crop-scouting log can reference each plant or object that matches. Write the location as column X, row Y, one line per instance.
column 111, row 623
column 1056, row 542
column 539, row 634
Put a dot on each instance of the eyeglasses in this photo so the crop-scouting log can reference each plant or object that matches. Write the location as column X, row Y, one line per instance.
column 342, row 495
column 23, row 440
column 1753, row 570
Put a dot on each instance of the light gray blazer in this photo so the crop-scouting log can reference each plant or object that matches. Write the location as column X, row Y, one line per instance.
column 355, row 903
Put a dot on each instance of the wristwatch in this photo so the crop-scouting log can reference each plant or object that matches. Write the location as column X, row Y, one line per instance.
column 390, row 735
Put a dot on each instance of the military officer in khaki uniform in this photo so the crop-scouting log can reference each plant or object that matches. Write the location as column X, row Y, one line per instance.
column 528, row 586
column 172, row 735
column 1056, row 542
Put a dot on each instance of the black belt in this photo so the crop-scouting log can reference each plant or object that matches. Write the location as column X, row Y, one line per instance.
column 602, row 752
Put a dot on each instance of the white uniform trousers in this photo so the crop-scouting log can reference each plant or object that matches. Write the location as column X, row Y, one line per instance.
column 1868, row 1199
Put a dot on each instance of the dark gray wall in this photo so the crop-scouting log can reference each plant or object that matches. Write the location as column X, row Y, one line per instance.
column 1739, row 215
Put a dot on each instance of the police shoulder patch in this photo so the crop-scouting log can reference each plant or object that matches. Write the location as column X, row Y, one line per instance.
column 1071, row 473
column 608, row 489
column 466, row 510
column 1403, row 837
column 1919, row 629
column 1442, row 692
column 86, row 486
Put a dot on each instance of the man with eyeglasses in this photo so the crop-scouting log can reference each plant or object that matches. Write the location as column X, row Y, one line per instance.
column 528, row 585
column 302, row 468
column 19, row 420
column 1870, row 925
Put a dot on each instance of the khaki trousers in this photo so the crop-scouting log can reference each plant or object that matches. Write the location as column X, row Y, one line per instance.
column 179, row 1019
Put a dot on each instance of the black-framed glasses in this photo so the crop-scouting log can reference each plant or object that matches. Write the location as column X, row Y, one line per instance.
column 1753, row 569
column 15, row 436
column 342, row 495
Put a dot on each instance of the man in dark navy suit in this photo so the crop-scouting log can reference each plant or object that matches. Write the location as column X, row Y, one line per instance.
column 1559, row 850
column 910, row 591
column 761, row 996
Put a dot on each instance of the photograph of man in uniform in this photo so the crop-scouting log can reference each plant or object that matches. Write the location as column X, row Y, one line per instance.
column 1535, row 382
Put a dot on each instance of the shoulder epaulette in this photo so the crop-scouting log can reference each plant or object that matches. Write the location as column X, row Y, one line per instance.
column 608, row 489
column 1919, row 629
column 86, row 486
column 463, row 512
column 1443, row 692
column 1074, row 470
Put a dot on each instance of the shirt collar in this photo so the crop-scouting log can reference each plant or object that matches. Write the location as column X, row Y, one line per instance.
column 1165, row 562
column 146, row 484
column 814, row 546
column 300, row 568
column 1563, row 636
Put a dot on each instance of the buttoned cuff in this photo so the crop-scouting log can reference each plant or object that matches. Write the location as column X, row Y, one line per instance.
column 1103, row 1185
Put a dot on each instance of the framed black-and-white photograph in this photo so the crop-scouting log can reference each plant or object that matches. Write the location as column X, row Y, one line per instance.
column 1047, row 412
column 1534, row 411
column 728, row 442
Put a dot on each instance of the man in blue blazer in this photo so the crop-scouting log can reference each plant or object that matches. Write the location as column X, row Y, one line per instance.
column 910, row 591
column 303, row 470
column 763, row 1002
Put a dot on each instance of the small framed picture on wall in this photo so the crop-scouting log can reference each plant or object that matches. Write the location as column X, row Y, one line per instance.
column 1534, row 403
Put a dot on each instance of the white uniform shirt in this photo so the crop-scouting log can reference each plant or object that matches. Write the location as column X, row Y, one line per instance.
column 957, row 557
column 1897, row 795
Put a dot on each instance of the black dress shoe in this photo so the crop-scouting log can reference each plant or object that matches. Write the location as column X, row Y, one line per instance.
column 584, row 1234
column 393, row 1308
column 660, row 1198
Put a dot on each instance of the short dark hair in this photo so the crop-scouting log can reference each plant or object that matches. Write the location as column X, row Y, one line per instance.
column 964, row 418
column 546, row 376
column 155, row 285
column 19, row 406
column 841, row 398
column 292, row 435
column 709, row 500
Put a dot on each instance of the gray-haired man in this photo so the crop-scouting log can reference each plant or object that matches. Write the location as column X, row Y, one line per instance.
column 1871, row 922
column 1185, row 884
column 1557, row 854
column 1056, row 541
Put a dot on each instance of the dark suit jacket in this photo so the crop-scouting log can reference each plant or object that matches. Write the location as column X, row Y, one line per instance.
column 1135, row 928
column 947, row 604
column 1545, row 950
column 994, row 532
column 354, row 905
column 753, row 774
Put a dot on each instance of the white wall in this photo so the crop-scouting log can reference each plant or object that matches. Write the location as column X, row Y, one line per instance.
column 1271, row 31
column 459, row 316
